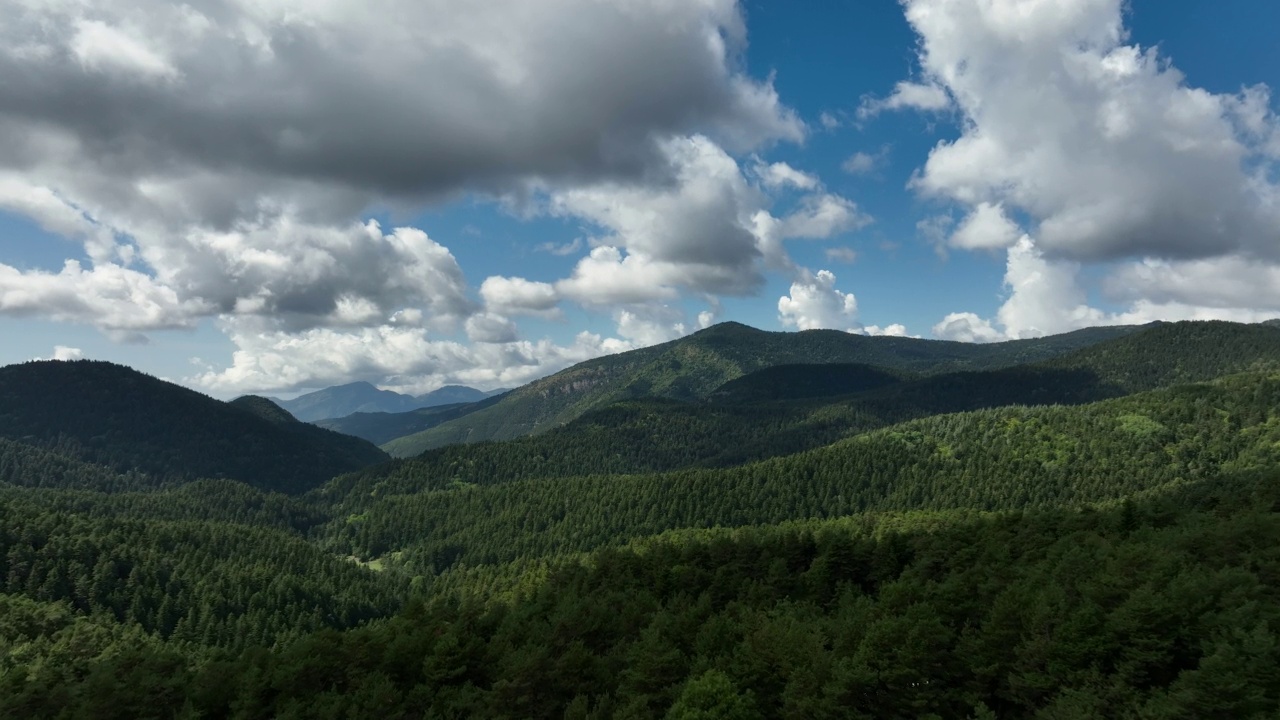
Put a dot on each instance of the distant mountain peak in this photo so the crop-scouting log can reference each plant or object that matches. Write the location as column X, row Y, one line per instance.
column 364, row 397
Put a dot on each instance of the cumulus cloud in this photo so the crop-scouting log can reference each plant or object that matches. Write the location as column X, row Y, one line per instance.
column 694, row 233
column 404, row 359
column 491, row 328
column 652, row 324
column 780, row 174
column 907, row 95
column 822, row 216
column 986, row 228
column 815, row 303
column 517, row 296
column 1103, row 145
column 894, row 330
column 864, row 163
column 1226, row 282
column 108, row 296
column 1105, row 153
column 451, row 94
column 62, row 352
column 966, row 327
column 1044, row 299
column 214, row 160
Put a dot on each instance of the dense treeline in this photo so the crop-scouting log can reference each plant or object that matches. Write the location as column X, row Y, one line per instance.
column 212, row 584
column 693, row 367
column 218, row 584
column 1161, row 608
column 751, row 418
column 116, row 417
column 994, row 459
column 1066, row 560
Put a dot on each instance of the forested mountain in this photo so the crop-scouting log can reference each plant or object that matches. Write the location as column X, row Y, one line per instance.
column 693, row 367
column 791, row 408
column 380, row 428
column 1007, row 458
column 119, row 418
column 801, row 382
column 1093, row 533
column 362, row 397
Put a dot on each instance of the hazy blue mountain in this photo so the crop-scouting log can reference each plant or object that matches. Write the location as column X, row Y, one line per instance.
column 362, row 397
column 380, row 428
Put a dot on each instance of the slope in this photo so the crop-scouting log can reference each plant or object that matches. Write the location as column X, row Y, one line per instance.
column 693, row 367
column 116, row 417
column 379, row 428
column 1007, row 458
column 775, row 412
column 362, row 397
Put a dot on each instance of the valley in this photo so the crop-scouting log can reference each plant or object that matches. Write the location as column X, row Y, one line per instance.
column 810, row 524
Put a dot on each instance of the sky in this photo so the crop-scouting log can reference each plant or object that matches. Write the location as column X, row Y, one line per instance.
column 282, row 195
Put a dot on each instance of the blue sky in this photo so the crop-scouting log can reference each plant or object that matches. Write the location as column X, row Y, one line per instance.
column 278, row 198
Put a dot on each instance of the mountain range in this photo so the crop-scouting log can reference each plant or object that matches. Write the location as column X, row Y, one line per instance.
column 362, row 397
column 115, row 417
column 695, row 366
column 744, row 523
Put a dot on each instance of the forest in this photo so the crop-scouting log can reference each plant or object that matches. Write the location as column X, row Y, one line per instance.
column 737, row 525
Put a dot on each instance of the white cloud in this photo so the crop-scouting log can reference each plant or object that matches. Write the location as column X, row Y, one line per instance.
column 986, row 228
column 608, row 276
column 405, row 359
column 1103, row 145
column 108, row 296
column 102, row 47
column 561, row 249
column 62, row 352
column 1044, row 298
column 815, row 303
column 894, row 330
column 517, row 296
column 650, row 325
column 780, row 174
column 966, row 327
column 860, row 163
column 694, row 234
column 907, row 95
column 491, row 328
column 464, row 94
column 822, row 216
column 157, row 135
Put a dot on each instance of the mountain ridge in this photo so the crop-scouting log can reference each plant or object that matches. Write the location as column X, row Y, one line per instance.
column 342, row 400
column 112, row 415
column 692, row 367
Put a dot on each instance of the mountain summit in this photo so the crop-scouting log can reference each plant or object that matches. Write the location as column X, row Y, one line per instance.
column 362, row 397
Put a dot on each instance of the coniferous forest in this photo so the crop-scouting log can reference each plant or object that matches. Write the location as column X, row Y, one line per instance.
column 732, row 525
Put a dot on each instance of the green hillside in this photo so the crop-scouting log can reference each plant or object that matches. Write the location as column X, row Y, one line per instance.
column 116, row 417
column 1088, row 536
column 693, row 367
column 1159, row 606
column 754, row 417
column 992, row 459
